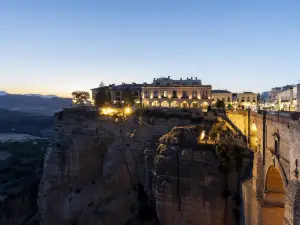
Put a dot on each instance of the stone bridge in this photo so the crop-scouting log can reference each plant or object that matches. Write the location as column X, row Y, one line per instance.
column 271, row 196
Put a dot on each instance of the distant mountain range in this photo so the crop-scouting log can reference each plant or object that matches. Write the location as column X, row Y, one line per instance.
column 38, row 95
column 42, row 96
column 3, row 93
column 46, row 105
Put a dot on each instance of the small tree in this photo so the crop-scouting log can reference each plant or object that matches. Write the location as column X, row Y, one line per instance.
column 220, row 104
column 80, row 97
column 101, row 84
column 127, row 97
column 229, row 106
column 102, row 97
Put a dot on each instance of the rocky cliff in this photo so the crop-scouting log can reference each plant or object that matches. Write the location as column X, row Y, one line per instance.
column 132, row 173
column 187, row 183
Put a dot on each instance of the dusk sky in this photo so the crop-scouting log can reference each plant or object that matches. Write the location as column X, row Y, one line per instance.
column 57, row 46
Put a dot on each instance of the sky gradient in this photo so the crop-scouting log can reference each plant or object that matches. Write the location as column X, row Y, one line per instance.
column 57, row 46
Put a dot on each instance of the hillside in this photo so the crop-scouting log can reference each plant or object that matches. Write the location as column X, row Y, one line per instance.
column 25, row 123
column 37, row 104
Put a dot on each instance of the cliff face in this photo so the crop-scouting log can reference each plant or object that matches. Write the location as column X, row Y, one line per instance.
column 89, row 174
column 187, row 183
column 100, row 172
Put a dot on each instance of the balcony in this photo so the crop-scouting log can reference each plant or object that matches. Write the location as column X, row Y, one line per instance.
column 184, row 97
column 174, row 96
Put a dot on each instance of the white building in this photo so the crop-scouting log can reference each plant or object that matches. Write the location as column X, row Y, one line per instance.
column 166, row 92
column 289, row 100
column 222, row 95
column 247, row 100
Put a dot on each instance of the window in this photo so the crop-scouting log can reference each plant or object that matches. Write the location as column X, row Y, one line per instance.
column 184, row 94
column 248, row 99
column 118, row 93
column 243, row 99
column 157, row 83
column 135, row 93
column 146, row 94
column 204, row 96
column 165, row 94
column 174, row 94
column 223, row 99
column 194, row 94
column 254, row 99
column 228, row 99
column 155, row 94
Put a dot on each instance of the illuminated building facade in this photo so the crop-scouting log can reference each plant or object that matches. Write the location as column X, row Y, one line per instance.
column 169, row 93
column 247, row 100
column 289, row 100
column 117, row 93
column 222, row 95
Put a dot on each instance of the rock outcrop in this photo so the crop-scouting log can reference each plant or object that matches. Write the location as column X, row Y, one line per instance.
column 187, row 183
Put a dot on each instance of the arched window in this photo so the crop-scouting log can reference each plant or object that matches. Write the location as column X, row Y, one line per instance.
column 174, row 104
column 164, row 104
column 194, row 105
column 184, row 104
column 204, row 106
column 155, row 104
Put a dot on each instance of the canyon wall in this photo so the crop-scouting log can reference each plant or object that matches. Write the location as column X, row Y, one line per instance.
column 135, row 173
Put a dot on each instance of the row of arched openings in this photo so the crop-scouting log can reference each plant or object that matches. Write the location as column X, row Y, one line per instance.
column 175, row 104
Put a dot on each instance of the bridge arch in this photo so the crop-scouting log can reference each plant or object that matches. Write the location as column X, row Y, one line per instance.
column 274, row 198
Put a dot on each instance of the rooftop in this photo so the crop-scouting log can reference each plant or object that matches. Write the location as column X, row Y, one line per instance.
column 220, row 91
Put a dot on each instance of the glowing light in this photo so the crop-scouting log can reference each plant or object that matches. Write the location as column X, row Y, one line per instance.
column 127, row 110
column 202, row 135
column 108, row 111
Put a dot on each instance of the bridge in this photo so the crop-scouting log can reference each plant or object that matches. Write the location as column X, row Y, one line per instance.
column 272, row 195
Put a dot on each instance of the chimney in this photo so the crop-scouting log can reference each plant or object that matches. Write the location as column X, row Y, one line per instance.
column 187, row 78
column 169, row 77
column 191, row 78
column 153, row 79
column 196, row 78
column 180, row 78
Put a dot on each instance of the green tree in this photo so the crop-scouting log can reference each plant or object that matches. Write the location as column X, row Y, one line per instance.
column 229, row 106
column 220, row 104
column 217, row 130
column 102, row 97
column 80, row 97
column 127, row 97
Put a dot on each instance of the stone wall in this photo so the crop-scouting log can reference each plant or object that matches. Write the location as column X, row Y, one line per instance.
column 278, row 144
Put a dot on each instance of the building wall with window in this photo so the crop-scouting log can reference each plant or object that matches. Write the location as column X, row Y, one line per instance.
column 247, row 100
column 172, row 94
column 289, row 100
column 222, row 95
column 117, row 93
